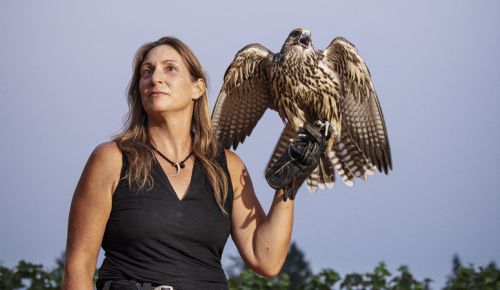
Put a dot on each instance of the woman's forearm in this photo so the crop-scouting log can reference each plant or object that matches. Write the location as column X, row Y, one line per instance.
column 273, row 235
column 73, row 280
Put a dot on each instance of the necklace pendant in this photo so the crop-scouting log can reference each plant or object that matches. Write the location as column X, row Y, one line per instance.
column 177, row 168
column 177, row 165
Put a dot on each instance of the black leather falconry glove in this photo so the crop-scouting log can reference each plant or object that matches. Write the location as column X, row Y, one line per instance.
column 300, row 158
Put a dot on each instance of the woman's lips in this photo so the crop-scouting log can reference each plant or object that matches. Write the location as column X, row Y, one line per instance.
column 157, row 93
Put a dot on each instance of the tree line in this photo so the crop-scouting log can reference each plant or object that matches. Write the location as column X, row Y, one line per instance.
column 296, row 274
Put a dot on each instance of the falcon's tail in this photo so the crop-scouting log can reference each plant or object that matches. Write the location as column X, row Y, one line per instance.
column 345, row 157
column 322, row 176
column 349, row 161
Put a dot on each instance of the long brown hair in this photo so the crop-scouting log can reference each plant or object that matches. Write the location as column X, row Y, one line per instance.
column 133, row 139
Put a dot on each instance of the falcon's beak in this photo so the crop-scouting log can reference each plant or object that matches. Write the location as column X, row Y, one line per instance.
column 305, row 38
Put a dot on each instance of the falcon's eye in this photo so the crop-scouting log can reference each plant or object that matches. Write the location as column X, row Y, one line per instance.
column 295, row 33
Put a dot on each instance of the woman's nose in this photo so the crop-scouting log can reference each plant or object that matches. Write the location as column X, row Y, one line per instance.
column 157, row 76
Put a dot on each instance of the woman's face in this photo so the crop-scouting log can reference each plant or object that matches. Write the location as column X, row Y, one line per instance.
column 165, row 83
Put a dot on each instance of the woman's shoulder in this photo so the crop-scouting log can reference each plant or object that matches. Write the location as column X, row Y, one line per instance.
column 108, row 156
column 102, row 171
column 237, row 171
column 108, row 151
column 233, row 160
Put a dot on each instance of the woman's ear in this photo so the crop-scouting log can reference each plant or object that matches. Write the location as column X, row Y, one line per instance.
column 199, row 88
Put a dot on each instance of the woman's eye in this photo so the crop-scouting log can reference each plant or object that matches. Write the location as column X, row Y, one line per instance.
column 145, row 72
column 170, row 68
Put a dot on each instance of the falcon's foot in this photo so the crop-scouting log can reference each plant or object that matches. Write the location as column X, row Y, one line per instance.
column 300, row 158
column 326, row 128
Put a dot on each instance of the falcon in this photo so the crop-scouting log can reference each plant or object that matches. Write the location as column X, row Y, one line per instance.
column 305, row 85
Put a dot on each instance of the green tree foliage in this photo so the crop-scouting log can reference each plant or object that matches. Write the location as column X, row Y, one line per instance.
column 468, row 277
column 295, row 270
column 324, row 280
column 296, row 267
column 30, row 276
column 379, row 279
column 296, row 274
column 248, row 280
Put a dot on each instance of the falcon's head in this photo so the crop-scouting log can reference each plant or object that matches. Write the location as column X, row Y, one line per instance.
column 300, row 37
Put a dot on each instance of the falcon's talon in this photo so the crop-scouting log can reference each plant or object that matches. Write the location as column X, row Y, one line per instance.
column 334, row 131
column 326, row 128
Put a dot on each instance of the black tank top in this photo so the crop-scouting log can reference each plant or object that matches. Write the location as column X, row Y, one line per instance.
column 153, row 236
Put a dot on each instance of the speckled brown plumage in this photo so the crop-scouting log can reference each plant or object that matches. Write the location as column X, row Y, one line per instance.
column 305, row 85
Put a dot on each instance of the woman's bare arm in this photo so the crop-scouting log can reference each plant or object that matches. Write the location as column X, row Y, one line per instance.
column 89, row 214
column 261, row 239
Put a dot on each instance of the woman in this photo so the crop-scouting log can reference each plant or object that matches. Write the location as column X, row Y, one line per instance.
column 161, row 198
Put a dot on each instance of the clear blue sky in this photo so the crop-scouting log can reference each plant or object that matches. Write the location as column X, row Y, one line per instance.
column 65, row 66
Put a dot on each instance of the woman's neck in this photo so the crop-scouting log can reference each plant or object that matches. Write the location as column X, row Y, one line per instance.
column 171, row 136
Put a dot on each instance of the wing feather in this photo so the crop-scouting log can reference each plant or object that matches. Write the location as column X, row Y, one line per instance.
column 244, row 97
column 362, row 117
column 287, row 134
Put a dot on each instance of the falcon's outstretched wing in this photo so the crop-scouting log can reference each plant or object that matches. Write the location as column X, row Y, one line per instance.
column 244, row 97
column 362, row 117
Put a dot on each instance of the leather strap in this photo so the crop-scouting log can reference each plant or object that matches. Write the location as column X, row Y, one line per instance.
column 144, row 286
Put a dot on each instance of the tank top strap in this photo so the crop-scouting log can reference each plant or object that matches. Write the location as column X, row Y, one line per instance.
column 123, row 171
column 222, row 160
column 221, row 156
